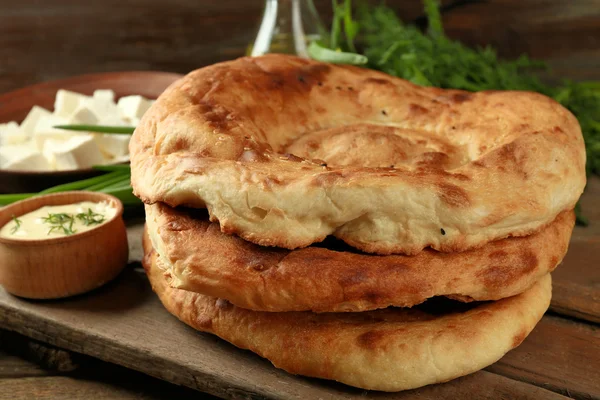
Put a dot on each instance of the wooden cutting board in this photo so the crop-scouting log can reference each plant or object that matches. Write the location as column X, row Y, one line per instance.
column 124, row 323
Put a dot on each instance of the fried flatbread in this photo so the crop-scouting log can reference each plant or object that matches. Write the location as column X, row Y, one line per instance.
column 390, row 350
column 285, row 151
column 200, row 258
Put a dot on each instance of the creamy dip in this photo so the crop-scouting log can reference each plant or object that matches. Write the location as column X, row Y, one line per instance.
column 56, row 221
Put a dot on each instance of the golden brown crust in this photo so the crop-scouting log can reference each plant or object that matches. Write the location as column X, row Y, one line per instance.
column 404, row 161
column 201, row 259
column 392, row 349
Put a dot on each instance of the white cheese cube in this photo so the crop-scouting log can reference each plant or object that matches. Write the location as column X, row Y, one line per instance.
column 6, row 154
column 23, row 157
column 103, row 109
column 45, row 130
column 113, row 145
column 10, row 133
column 83, row 115
column 133, row 106
column 57, row 157
column 134, row 122
column 104, row 96
column 120, row 159
column 31, row 121
column 67, row 102
column 113, row 120
column 82, row 148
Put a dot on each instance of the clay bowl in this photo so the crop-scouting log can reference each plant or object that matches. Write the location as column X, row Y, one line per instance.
column 62, row 266
column 15, row 105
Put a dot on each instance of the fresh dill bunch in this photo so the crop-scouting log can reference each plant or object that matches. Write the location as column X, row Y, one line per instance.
column 432, row 59
column 583, row 100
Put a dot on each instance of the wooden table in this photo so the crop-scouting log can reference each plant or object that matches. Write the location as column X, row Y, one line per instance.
column 41, row 40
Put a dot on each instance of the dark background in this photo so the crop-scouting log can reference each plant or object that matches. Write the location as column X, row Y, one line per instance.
column 47, row 39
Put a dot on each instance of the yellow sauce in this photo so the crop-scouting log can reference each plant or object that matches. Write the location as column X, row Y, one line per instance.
column 57, row 221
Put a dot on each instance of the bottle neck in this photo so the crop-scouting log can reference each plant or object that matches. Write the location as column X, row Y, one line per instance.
column 287, row 27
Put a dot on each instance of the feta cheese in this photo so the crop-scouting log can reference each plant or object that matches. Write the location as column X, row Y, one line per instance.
column 45, row 130
column 104, row 96
column 113, row 120
column 82, row 148
column 10, row 133
column 31, row 121
column 102, row 108
column 83, row 115
column 57, row 157
column 121, row 159
column 23, row 157
column 67, row 102
column 133, row 106
column 134, row 122
column 36, row 145
column 113, row 145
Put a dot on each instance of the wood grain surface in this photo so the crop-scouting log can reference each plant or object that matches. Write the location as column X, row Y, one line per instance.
column 42, row 40
column 104, row 381
column 124, row 323
column 24, row 376
column 559, row 355
column 12, row 366
column 576, row 287
column 43, row 356
column 576, row 284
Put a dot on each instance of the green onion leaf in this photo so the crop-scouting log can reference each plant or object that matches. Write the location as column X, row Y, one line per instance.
column 82, row 184
column 124, row 194
column 117, row 177
column 320, row 53
column 115, row 130
column 6, row 199
column 123, row 184
column 115, row 167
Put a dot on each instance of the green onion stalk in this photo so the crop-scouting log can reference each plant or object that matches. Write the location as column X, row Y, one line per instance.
column 116, row 182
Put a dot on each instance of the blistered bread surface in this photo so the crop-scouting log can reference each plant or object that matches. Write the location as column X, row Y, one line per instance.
column 285, row 151
column 331, row 277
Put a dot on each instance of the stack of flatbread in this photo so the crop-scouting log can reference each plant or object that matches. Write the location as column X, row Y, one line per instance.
column 349, row 225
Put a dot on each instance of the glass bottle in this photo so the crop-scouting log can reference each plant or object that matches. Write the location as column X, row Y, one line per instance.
column 288, row 26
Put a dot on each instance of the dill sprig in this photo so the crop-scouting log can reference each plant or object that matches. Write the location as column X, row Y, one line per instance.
column 17, row 226
column 60, row 222
column 90, row 218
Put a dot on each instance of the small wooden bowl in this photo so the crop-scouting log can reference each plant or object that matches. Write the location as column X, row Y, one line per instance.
column 62, row 266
